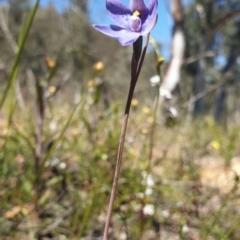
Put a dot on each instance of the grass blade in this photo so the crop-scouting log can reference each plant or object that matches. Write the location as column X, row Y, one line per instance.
column 22, row 41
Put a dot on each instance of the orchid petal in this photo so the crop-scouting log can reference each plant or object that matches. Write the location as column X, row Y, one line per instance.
column 129, row 38
column 112, row 30
column 118, row 12
column 152, row 10
column 137, row 5
column 152, row 7
column 149, row 25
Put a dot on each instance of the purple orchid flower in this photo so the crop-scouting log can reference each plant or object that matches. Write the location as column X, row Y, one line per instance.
column 132, row 22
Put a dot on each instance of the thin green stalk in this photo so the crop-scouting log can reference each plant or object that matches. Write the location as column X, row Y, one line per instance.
column 87, row 214
column 11, row 107
column 151, row 140
column 150, row 154
column 22, row 41
column 136, row 65
column 12, row 101
column 160, row 61
column 118, row 164
column 76, row 217
column 151, row 145
column 10, row 88
column 236, row 225
column 23, row 136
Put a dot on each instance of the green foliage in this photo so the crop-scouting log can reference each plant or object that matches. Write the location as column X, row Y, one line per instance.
column 58, row 148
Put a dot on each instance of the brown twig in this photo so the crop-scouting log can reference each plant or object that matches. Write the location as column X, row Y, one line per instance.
column 200, row 56
column 205, row 92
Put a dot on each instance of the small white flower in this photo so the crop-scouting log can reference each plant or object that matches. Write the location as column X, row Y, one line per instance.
column 165, row 213
column 53, row 126
column 185, row 229
column 149, row 191
column 149, row 180
column 155, row 80
column 122, row 236
column 148, row 209
column 62, row 165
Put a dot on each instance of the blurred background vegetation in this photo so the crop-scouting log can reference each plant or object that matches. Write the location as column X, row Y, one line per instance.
column 63, row 88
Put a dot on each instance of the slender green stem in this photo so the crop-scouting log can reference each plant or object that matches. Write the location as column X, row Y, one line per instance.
column 118, row 163
column 151, row 140
column 22, row 42
column 236, row 225
column 150, row 153
column 136, row 66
